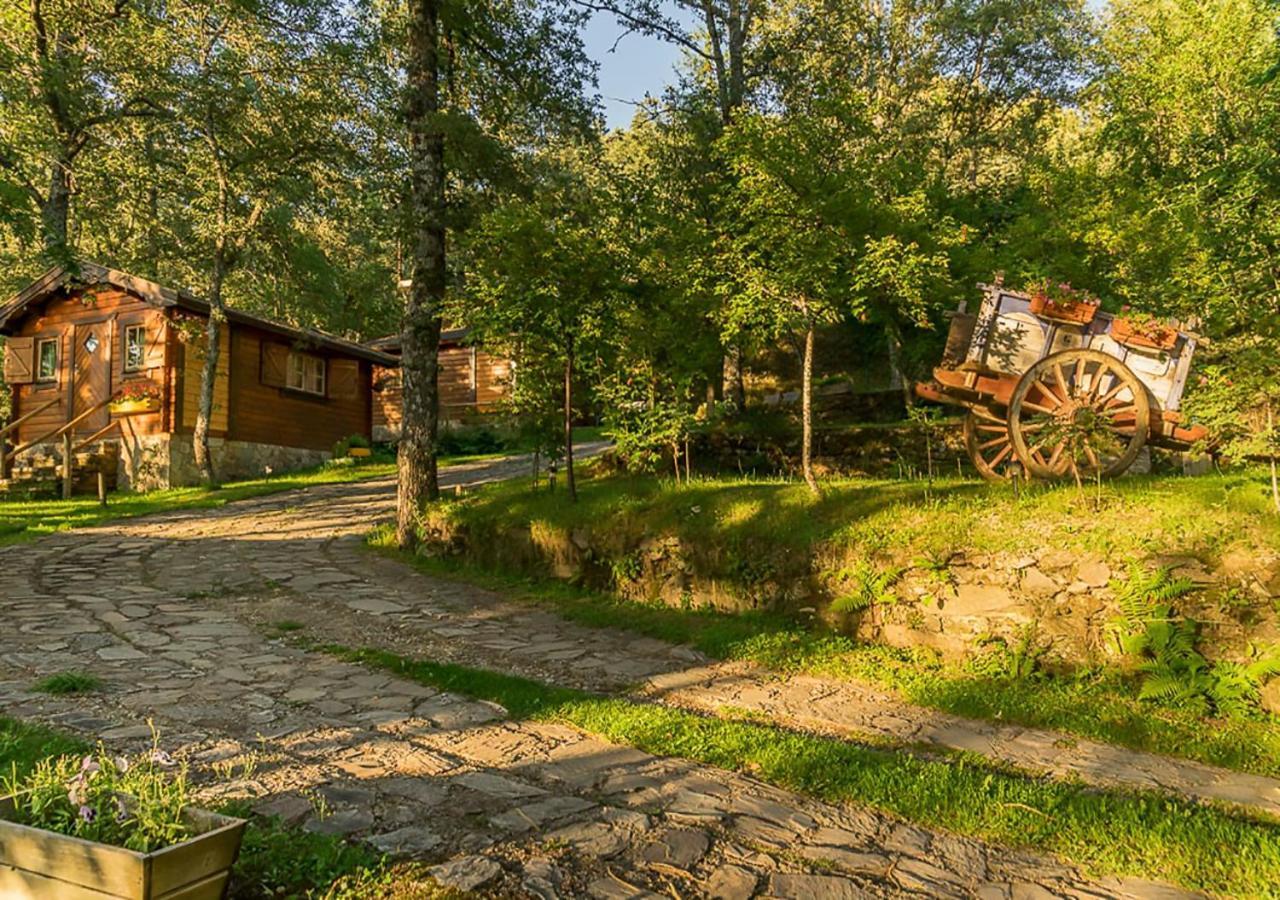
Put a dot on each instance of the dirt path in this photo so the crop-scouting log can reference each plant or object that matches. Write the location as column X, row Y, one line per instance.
column 170, row 610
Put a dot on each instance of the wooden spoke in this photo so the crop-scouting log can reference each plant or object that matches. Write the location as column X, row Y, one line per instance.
column 1080, row 411
column 987, row 440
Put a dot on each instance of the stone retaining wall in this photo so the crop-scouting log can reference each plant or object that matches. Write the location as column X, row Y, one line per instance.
column 1061, row 601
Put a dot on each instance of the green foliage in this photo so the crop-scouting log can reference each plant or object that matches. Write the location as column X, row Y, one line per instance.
column 870, row 587
column 134, row 803
column 23, row 745
column 1173, row 670
column 68, row 683
column 276, row 860
column 996, row 658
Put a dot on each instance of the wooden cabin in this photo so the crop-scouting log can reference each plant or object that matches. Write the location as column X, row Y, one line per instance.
column 473, row 382
column 103, row 362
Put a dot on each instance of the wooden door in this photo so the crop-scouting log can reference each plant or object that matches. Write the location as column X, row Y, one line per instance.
column 91, row 374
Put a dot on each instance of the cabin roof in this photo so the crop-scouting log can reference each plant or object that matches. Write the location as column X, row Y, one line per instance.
column 391, row 343
column 85, row 274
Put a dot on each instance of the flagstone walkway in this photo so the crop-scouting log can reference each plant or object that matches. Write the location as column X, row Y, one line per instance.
column 172, row 612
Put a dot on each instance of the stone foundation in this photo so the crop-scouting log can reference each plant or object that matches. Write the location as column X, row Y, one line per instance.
column 153, row 462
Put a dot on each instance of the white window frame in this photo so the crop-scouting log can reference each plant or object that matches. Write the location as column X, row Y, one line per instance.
column 142, row 348
column 306, row 373
column 52, row 377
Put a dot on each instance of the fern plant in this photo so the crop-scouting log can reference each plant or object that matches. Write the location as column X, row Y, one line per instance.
column 871, row 587
column 1173, row 670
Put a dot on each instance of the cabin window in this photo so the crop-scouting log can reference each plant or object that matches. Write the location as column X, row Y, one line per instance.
column 135, row 347
column 306, row 373
column 47, row 357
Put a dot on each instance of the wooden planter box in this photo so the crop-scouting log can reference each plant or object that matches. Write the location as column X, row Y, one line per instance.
column 133, row 407
column 1063, row 311
column 1160, row 337
column 42, row 865
column 360, row 452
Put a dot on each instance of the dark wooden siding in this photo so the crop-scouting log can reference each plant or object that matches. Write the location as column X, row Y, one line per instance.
column 471, row 380
column 58, row 318
column 272, row 415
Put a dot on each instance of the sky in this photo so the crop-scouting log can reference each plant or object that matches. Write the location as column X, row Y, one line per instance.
column 638, row 65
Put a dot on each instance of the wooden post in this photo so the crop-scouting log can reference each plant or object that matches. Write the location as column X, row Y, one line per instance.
column 102, row 487
column 66, row 464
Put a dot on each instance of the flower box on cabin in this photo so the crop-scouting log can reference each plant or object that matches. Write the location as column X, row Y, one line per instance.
column 134, row 407
column 43, row 865
column 1139, row 333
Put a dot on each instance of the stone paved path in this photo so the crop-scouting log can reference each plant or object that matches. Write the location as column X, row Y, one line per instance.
column 171, row 612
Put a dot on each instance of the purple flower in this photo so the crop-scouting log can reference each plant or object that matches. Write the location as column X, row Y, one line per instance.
column 122, row 764
column 76, row 791
column 122, row 811
column 88, row 813
column 88, row 766
column 161, row 758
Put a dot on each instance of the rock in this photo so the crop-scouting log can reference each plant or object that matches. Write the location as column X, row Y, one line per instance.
column 466, row 873
column 875, row 864
column 291, row 809
column 1094, row 573
column 979, row 600
column 541, row 879
column 1038, row 584
column 1269, row 696
column 679, row 847
column 731, row 883
column 342, row 823
column 533, row 815
column 120, row 654
column 497, row 785
column 590, row 838
column 406, row 843
column 802, row 886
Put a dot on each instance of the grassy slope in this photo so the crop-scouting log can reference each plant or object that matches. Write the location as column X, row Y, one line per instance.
column 1135, row 518
column 1107, row 831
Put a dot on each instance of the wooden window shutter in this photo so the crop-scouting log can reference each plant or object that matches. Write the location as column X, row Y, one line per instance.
column 344, row 379
column 275, row 364
column 153, row 356
column 18, row 365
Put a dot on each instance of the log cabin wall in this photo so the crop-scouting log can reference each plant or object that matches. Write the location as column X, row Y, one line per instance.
column 472, row 381
column 69, row 319
column 265, row 410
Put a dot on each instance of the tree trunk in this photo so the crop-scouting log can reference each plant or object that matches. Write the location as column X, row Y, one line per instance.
column 420, row 334
column 568, row 425
column 734, row 390
column 55, row 212
column 897, row 379
column 209, row 374
column 806, row 412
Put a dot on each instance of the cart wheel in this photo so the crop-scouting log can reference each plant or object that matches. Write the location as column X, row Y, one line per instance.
column 986, row 437
column 1080, row 411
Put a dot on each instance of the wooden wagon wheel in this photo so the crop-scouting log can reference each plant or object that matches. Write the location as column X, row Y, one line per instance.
column 1080, row 411
column 986, row 437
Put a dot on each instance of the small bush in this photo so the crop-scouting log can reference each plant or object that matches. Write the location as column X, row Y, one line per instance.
column 68, row 683
column 472, row 441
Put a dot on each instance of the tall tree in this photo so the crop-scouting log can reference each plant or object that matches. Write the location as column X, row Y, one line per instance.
column 71, row 71
column 480, row 75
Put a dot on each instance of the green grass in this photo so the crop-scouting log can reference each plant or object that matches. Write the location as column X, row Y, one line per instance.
column 1098, row 704
column 1200, row 516
column 1109, row 832
column 68, row 683
column 22, row 745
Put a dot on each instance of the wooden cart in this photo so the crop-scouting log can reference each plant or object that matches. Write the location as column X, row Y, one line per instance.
column 1053, row 389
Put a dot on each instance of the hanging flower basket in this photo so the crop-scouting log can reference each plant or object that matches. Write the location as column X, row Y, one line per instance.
column 1146, row 333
